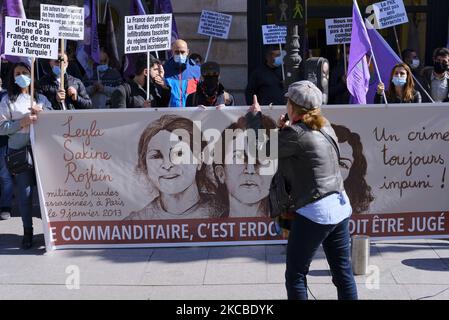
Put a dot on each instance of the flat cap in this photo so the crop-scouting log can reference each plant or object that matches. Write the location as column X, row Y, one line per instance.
column 305, row 94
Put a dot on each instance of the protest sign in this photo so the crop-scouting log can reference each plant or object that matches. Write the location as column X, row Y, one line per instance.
column 99, row 185
column 148, row 33
column 69, row 18
column 31, row 38
column 338, row 31
column 214, row 25
column 390, row 13
column 273, row 34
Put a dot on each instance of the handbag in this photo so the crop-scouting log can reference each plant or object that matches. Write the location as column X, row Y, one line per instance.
column 21, row 160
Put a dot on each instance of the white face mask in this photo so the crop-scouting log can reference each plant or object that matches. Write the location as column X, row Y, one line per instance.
column 415, row 64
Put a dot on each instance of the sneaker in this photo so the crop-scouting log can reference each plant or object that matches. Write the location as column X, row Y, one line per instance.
column 5, row 215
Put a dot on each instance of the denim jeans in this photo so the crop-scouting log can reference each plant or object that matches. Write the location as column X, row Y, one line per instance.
column 304, row 240
column 6, row 184
column 24, row 183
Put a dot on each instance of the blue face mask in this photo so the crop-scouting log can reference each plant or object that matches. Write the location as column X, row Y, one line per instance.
column 23, row 81
column 179, row 58
column 399, row 82
column 103, row 68
column 56, row 70
column 278, row 61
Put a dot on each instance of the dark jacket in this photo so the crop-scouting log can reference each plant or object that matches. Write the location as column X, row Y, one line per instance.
column 130, row 95
column 338, row 89
column 267, row 84
column 308, row 162
column 200, row 98
column 49, row 87
column 427, row 82
column 379, row 99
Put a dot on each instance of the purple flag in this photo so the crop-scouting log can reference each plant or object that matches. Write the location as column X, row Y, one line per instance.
column 111, row 41
column 162, row 7
column 385, row 57
column 10, row 8
column 88, row 51
column 358, row 71
column 129, row 69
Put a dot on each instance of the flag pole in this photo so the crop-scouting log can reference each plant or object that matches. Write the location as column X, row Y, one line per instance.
column 397, row 41
column 345, row 59
column 378, row 73
column 208, row 49
column 372, row 51
column 422, row 88
column 283, row 67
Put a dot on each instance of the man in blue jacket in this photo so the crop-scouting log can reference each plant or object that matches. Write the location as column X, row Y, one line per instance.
column 181, row 74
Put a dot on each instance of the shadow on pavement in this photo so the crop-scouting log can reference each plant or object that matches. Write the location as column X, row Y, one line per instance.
column 428, row 264
column 10, row 245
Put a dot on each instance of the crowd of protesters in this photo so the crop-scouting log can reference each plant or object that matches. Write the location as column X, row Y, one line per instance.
column 181, row 81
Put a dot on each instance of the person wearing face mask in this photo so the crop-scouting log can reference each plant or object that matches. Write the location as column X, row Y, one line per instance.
column 74, row 96
column 401, row 89
column 266, row 81
column 435, row 80
column 410, row 57
column 16, row 117
column 210, row 92
column 133, row 93
column 182, row 74
column 105, row 81
column 6, row 184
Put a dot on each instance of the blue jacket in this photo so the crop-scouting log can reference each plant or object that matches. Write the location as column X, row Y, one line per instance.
column 182, row 80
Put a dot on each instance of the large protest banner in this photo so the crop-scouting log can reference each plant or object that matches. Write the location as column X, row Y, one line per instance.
column 111, row 179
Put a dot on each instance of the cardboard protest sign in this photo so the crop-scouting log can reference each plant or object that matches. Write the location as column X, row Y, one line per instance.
column 148, row 33
column 69, row 18
column 31, row 38
column 274, row 34
column 215, row 24
column 338, row 31
column 390, row 13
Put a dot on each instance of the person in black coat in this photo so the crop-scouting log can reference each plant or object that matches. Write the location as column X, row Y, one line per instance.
column 133, row 93
column 210, row 92
column 74, row 96
column 266, row 81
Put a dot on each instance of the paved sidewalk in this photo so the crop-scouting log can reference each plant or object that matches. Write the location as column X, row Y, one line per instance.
column 413, row 269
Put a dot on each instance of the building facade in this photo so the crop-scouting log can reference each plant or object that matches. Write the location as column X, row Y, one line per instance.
column 242, row 52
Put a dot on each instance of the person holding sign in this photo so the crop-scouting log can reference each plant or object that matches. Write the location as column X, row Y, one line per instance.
column 133, row 94
column 182, row 74
column 266, row 81
column 74, row 94
column 16, row 117
column 104, row 83
column 402, row 87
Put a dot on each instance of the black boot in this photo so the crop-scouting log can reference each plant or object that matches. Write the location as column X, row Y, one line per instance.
column 27, row 241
